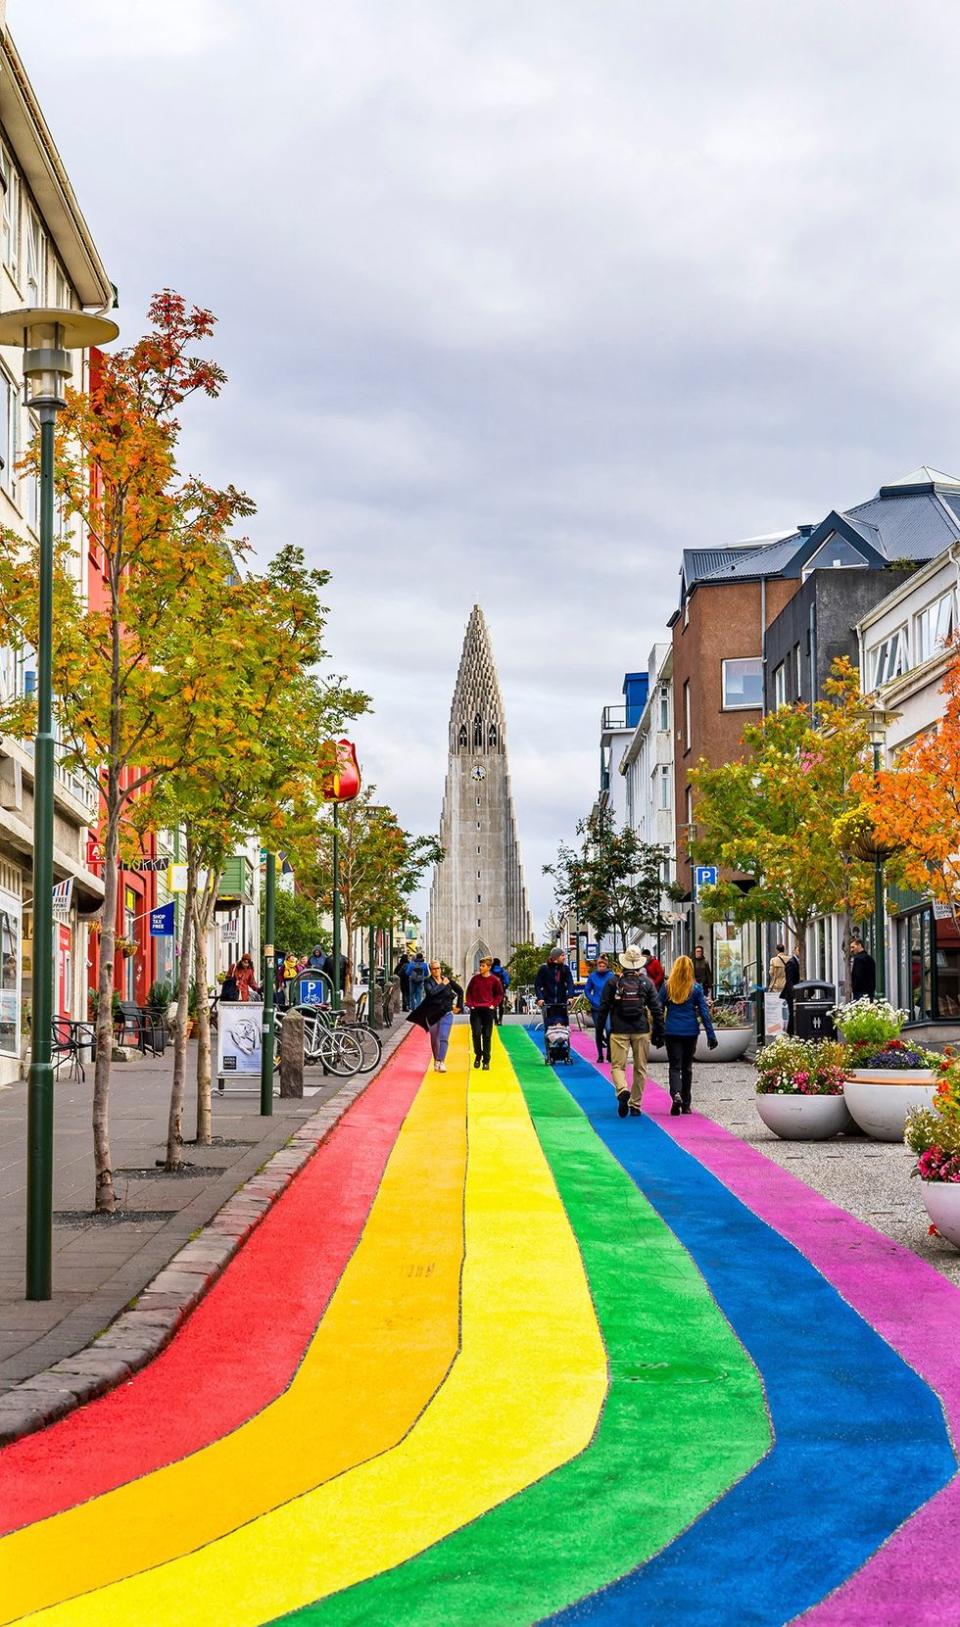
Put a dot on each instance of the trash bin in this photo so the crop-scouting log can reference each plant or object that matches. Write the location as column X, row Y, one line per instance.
column 812, row 1006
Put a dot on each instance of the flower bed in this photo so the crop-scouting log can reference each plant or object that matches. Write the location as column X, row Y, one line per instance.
column 933, row 1133
column 800, row 1089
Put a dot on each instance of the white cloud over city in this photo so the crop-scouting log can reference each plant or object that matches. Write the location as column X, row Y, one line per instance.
column 518, row 301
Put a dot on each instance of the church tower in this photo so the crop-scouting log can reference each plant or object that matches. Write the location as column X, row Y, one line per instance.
column 478, row 902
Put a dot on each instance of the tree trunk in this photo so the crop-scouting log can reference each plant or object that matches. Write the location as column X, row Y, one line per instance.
column 178, row 1087
column 203, row 912
column 105, row 1200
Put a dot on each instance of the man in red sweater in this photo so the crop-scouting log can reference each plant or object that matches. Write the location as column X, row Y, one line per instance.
column 484, row 996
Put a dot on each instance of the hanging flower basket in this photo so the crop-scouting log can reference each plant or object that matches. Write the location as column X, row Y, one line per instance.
column 126, row 947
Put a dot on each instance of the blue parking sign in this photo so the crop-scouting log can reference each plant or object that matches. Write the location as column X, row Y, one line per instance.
column 705, row 875
column 313, row 991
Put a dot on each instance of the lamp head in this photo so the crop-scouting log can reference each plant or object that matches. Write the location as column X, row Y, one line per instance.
column 48, row 335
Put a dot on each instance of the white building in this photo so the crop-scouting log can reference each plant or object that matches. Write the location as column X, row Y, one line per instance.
column 647, row 769
column 47, row 257
column 903, row 657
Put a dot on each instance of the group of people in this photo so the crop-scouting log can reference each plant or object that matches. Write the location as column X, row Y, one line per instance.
column 783, row 975
column 637, row 1006
column 432, row 1000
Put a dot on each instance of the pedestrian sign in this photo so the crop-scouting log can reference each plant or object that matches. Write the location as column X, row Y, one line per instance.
column 705, row 875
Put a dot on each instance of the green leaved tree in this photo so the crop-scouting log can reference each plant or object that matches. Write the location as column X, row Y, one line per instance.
column 613, row 880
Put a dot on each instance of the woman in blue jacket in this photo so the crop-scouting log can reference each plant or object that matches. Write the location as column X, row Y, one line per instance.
column 685, row 1010
column 593, row 989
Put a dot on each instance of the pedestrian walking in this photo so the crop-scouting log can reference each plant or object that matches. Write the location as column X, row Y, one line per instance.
column 702, row 971
column 653, row 968
column 863, row 971
column 417, row 973
column 629, row 1000
column 402, row 972
column 791, row 977
column 504, row 976
column 484, row 995
column 317, row 958
column 553, row 985
column 245, row 977
column 777, row 972
column 435, row 1013
column 593, row 989
column 685, row 1010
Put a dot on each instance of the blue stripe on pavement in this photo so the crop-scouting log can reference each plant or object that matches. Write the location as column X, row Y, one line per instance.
column 860, row 1439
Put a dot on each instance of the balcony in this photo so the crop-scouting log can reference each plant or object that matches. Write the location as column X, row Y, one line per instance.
column 613, row 717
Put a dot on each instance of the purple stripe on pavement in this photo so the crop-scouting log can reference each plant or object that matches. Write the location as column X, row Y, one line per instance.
column 905, row 1300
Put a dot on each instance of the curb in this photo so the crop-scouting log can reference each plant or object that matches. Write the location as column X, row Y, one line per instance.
column 136, row 1336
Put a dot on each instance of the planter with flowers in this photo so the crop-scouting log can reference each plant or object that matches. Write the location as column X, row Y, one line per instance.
column 886, row 1076
column 800, row 1089
column 933, row 1133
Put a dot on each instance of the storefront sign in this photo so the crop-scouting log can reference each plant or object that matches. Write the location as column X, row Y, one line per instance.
column 239, row 1038
column 177, row 878
column 161, row 921
column 230, row 929
column 62, row 899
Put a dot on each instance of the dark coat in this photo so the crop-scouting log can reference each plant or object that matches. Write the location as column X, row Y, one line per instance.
column 438, row 1000
column 647, row 1019
column 863, row 975
column 554, row 983
column 791, row 973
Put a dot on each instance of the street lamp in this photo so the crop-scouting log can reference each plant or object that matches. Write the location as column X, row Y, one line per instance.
column 47, row 337
column 877, row 723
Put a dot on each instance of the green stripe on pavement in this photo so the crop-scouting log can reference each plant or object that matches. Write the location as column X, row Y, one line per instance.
column 684, row 1419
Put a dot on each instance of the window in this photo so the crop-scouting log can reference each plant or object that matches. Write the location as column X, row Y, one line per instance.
column 492, row 735
column 686, row 714
column 664, row 722
column 31, row 484
column 35, row 250
column 9, row 414
column 478, row 730
column 742, row 683
column 11, row 214
column 10, row 909
column 832, row 554
column 780, row 686
column 888, row 659
column 935, row 626
column 664, row 779
column 799, row 670
column 462, row 737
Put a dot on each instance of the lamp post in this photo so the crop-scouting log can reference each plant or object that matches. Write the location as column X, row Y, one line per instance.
column 878, row 734
column 269, row 989
column 336, row 907
column 47, row 337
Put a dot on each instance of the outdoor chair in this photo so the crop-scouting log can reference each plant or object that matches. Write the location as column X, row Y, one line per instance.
column 69, row 1039
column 148, row 1031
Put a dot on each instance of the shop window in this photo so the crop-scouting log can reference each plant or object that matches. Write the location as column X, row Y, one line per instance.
column 9, row 974
column 742, row 683
column 947, row 955
column 130, row 932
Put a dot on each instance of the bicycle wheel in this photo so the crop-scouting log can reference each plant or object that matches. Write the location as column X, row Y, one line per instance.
column 371, row 1045
column 340, row 1052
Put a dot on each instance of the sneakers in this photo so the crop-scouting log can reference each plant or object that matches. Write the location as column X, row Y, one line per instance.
column 476, row 1062
column 486, row 1067
column 623, row 1103
column 675, row 1108
column 687, row 1108
column 441, row 1067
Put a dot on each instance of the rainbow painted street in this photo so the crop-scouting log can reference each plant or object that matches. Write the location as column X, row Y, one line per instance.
column 535, row 1363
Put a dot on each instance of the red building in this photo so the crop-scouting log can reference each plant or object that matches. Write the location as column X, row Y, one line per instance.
column 134, row 969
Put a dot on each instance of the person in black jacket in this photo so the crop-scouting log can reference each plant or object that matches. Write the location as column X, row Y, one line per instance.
column 791, row 977
column 435, row 1013
column 630, row 1002
column 553, row 986
column 863, row 971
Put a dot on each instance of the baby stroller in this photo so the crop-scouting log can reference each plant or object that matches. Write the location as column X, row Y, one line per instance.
column 556, row 1035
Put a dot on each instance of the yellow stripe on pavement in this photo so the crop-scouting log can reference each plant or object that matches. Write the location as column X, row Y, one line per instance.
column 386, row 1342
column 523, row 1397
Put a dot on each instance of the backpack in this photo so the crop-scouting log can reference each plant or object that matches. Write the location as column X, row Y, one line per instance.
column 629, row 995
column 417, row 971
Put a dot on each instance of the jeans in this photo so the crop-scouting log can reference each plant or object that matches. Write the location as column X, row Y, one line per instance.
column 415, row 994
column 680, row 1049
column 623, row 1046
column 481, row 1027
column 600, row 1030
column 440, row 1036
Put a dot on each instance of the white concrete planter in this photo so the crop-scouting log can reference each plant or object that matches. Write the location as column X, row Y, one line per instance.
column 732, row 1043
column 804, row 1118
column 880, row 1101
column 942, row 1199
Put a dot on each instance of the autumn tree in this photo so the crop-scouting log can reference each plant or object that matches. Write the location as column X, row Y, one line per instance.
column 267, row 736
column 914, row 807
column 770, row 817
column 525, row 962
column 121, row 667
column 613, row 880
column 381, row 864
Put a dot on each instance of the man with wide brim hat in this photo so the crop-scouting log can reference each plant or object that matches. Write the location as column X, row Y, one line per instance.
column 630, row 1002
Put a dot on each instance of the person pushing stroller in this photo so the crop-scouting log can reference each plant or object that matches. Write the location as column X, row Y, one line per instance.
column 554, row 990
column 630, row 1001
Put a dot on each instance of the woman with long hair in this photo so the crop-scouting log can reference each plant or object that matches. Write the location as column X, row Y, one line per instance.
column 685, row 1010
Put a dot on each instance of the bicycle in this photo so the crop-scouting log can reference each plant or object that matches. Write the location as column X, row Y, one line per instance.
column 335, row 1048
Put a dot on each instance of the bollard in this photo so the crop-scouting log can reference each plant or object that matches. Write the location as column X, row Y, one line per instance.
column 291, row 1056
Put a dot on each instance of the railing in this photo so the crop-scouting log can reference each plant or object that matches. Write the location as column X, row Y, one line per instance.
column 614, row 717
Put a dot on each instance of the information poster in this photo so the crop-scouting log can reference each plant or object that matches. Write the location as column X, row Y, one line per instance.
column 240, row 1038
column 775, row 1013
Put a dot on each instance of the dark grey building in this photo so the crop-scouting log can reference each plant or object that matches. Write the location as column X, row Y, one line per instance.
column 817, row 626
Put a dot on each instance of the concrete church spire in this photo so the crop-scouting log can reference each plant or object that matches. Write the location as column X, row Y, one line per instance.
column 478, row 901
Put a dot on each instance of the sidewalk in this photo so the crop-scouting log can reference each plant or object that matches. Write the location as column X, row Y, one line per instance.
column 101, row 1265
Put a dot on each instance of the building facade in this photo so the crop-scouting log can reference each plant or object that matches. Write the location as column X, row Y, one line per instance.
column 647, row 770
column 47, row 257
column 478, row 899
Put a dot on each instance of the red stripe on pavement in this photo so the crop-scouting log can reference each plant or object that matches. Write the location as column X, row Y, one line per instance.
column 242, row 1344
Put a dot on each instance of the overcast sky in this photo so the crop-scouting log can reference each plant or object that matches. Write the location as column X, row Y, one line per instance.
column 518, row 300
